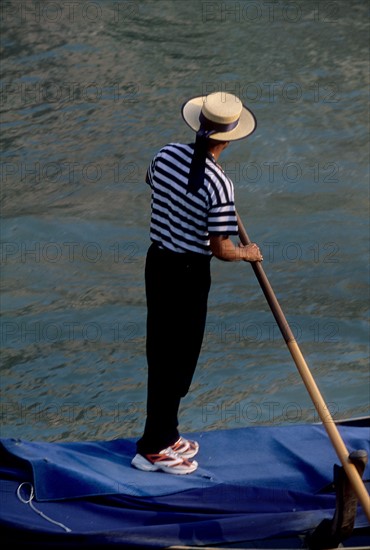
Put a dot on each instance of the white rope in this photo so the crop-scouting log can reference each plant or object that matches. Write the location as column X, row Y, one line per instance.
column 32, row 506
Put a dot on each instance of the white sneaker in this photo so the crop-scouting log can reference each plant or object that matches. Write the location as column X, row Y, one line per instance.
column 166, row 461
column 185, row 447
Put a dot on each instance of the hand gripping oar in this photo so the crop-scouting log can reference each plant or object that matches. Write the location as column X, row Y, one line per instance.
column 317, row 399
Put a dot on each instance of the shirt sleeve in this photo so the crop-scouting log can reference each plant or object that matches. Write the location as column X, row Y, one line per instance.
column 222, row 218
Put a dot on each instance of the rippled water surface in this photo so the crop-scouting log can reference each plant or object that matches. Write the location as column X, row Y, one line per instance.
column 89, row 92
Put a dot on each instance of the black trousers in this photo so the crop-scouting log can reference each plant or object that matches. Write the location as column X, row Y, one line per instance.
column 177, row 287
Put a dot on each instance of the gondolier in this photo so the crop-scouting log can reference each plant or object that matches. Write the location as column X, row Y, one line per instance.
column 192, row 218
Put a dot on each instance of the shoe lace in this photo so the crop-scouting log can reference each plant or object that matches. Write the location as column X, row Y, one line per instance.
column 169, row 452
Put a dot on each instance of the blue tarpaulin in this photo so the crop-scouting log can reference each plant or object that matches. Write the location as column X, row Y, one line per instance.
column 251, row 484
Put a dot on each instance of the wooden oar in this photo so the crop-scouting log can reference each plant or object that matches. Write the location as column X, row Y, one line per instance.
column 317, row 399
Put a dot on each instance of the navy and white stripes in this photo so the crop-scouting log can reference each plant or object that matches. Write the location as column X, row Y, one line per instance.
column 182, row 221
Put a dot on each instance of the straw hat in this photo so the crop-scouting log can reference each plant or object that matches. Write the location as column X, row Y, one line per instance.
column 220, row 114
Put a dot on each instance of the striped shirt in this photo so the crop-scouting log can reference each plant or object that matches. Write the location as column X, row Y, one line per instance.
column 181, row 221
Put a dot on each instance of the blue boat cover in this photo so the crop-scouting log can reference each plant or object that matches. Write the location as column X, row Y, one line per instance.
column 252, row 484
